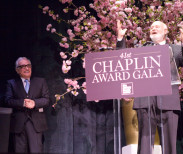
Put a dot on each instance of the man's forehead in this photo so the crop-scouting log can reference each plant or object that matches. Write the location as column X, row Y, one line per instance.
column 157, row 23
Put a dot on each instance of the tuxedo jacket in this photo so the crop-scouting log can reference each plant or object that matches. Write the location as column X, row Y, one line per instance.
column 14, row 98
column 166, row 102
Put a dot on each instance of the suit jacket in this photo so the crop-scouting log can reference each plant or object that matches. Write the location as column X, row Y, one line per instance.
column 166, row 102
column 14, row 98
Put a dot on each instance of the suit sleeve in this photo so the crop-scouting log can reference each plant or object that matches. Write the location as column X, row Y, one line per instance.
column 178, row 56
column 181, row 57
column 10, row 98
column 121, row 44
column 43, row 100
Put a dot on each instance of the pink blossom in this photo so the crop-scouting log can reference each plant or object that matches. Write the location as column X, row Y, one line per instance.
column 68, row 89
column 84, row 90
column 151, row 14
column 121, row 13
column 85, row 37
column 75, row 53
column 71, row 37
column 80, row 47
column 109, row 34
column 84, row 85
column 120, row 3
column 75, row 93
column 139, row 29
column 65, row 68
column 128, row 10
column 86, row 28
column 62, row 54
column 64, row 39
column 91, row 5
column 73, row 22
column 53, row 30
column 74, row 83
column 46, row 8
column 97, row 40
column 152, row 7
column 48, row 27
column 68, row 62
column 65, row 1
column 69, row 31
column 66, row 45
column 67, row 81
column 66, row 10
column 168, row 4
column 77, row 29
column 50, row 13
column 76, row 12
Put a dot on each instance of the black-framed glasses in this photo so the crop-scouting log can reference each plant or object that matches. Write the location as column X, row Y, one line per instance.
column 24, row 66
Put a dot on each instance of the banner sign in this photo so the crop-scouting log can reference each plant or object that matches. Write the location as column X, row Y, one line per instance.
column 130, row 72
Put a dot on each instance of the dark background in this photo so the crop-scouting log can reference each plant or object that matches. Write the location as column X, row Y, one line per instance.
column 77, row 126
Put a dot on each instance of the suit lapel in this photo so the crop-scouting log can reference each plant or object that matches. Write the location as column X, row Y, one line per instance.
column 20, row 86
column 31, row 88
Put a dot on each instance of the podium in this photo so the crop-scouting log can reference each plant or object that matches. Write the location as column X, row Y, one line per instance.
column 5, row 114
column 129, row 73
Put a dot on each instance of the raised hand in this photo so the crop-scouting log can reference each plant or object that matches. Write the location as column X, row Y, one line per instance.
column 120, row 32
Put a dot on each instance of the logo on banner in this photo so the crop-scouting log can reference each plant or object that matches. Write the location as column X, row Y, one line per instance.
column 127, row 88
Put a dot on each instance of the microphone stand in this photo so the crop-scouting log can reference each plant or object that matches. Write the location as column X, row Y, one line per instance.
column 149, row 118
column 161, row 126
column 117, row 126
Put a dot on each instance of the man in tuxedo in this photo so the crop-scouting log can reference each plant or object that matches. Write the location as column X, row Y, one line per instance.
column 163, row 109
column 28, row 96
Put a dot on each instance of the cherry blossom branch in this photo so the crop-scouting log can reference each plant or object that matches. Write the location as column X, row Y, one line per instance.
column 90, row 33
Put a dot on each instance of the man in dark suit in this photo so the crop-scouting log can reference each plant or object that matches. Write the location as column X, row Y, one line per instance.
column 27, row 96
column 163, row 109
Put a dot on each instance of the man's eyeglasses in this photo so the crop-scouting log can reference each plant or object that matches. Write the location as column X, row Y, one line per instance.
column 24, row 66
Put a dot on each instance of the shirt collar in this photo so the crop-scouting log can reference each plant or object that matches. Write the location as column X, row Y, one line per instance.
column 162, row 43
column 23, row 79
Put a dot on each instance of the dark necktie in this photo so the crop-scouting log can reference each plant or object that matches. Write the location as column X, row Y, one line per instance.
column 27, row 85
column 149, row 43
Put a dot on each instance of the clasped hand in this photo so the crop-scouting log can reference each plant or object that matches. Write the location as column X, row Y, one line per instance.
column 28, row 103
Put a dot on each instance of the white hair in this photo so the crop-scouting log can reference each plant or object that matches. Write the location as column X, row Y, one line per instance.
column 19, row 59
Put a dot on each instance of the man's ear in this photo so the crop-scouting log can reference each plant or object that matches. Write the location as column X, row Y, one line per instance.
column 17, row 70
column 166, row 31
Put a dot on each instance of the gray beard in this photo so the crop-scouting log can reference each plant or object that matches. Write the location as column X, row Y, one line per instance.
column 157, row 38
